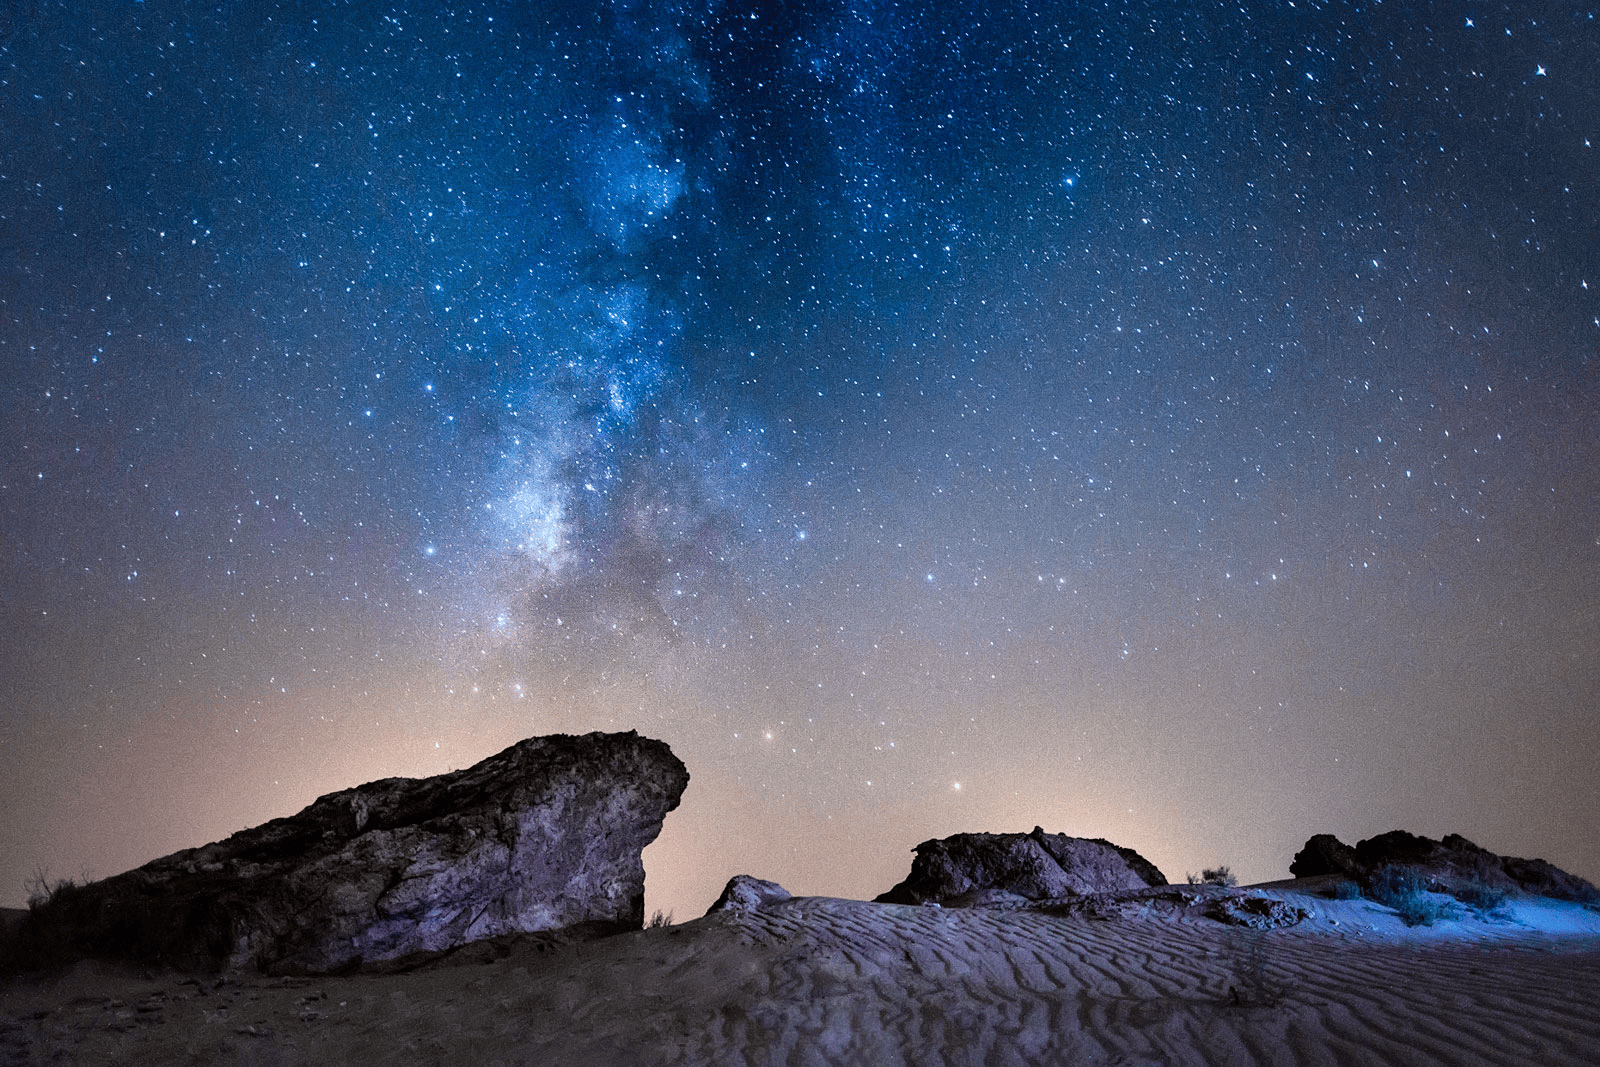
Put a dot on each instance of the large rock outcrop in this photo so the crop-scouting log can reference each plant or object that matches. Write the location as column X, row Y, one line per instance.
column 545, row 835
column 985, row 868
column 1449, row 863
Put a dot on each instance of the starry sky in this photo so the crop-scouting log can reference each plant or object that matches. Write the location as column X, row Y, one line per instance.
column 1176, row 423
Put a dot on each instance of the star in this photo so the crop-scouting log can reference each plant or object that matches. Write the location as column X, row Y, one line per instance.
column 723, row 334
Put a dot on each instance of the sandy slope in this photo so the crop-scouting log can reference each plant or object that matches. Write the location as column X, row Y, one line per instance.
column 822, row 981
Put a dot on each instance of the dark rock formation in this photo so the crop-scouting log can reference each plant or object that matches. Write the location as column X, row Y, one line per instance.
column 1545, row 879
column 969, row 869
column 1448, row 865
column 545, row 835
column 744, row 893
column 1324, row 854
column 1455, row 855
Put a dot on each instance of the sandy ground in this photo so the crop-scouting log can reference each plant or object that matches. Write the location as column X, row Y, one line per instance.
column 824, row 981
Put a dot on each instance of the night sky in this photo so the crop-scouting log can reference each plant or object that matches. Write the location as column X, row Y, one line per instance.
column 1177, row 423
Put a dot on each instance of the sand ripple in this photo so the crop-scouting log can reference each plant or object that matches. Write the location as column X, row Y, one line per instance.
column 815, row 981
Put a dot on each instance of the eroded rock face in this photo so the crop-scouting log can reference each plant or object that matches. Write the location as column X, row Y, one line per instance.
column 545, row 835
column 975, row 869
column 1448, row 863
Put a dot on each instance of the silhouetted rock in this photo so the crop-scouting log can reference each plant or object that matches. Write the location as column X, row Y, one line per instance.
column 1547, row 880
column 545, row 835
column 1402, row 849
column 974, row 869
column 744, row 893
column 1324, row 854
column 1448, row 865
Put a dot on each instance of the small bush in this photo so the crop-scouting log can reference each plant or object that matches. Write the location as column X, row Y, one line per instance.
column 1404, row 890
column 34, row 940
column 1213, row 876
column 1343, row 889
column 41, row 891
column 1218, row 876
column 117, row 919
column 1484, row 899
column 1251, row 985
column 658, row 920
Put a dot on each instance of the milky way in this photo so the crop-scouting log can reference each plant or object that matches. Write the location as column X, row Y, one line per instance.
column 1163, row 423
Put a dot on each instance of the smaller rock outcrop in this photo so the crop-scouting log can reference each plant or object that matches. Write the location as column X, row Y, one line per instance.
column 977, row 869
column 1324, row 854
column 546, row 835
column 1448, row 864
column 744, row 893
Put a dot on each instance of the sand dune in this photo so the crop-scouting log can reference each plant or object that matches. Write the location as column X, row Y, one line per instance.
column 824, row 981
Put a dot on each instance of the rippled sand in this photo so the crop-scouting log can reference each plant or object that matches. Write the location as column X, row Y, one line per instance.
column 824, row 981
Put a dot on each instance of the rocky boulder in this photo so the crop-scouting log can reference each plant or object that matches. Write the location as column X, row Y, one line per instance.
column 744, row 893
column 1324, row 854
column 1449, row 864
column 543, row 836
column 970, row 869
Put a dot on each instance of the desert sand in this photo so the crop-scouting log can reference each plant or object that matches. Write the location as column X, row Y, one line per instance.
column 826, row 981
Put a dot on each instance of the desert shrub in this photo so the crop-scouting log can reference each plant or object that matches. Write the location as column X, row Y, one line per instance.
column 41, row 890
column 1246, row 951
column 1213, row 876
column 1405, row 890
column 33, row 940
column 116, row 919
column 658, row 920
column 1343, row 889
column 1585, row 894
column 1481, row 897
